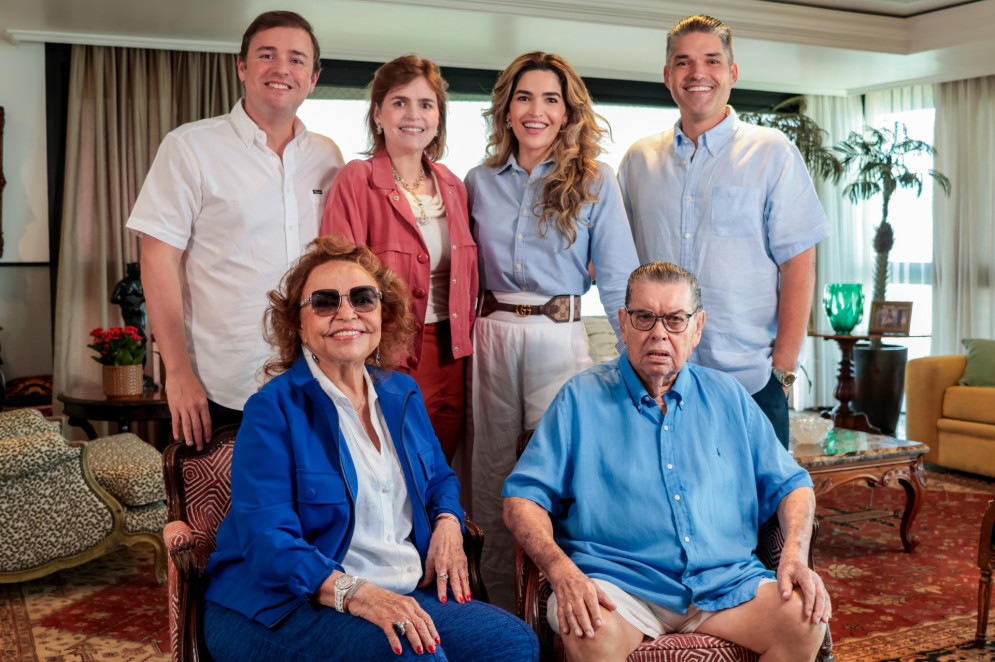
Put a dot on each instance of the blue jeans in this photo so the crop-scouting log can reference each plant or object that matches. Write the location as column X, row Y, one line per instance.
column 774, row 404
column 470, row 632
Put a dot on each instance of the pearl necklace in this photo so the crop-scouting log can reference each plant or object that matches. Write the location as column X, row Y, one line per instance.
column 411, row 188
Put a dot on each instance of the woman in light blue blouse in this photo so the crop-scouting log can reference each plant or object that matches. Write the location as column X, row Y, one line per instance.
column 542, row 210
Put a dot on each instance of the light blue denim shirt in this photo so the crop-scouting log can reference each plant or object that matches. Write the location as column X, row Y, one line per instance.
column 742, row 206
column 513, row 257
column 666, row 507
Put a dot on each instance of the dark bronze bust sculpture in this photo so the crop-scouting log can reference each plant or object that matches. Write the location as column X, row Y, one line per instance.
column 128, row 294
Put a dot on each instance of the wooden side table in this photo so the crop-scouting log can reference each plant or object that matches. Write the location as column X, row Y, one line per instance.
column 88, row 403
column 842, row 416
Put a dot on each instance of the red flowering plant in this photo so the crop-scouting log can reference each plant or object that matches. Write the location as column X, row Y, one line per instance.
column 118, row 346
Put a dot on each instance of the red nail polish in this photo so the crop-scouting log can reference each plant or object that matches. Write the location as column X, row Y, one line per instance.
column 469, row 596
column 419, row 650
column 460, row 600
column 431, row 648
column 443, row 599
column 438, row 641
column 397, row 650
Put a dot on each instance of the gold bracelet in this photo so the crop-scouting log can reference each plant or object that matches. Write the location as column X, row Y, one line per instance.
column 449, row 516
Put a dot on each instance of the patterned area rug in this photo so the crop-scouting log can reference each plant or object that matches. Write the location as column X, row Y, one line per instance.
column 893, row 606
column 889, row 606
column 108, row 609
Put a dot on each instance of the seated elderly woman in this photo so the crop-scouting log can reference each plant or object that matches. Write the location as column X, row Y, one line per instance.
column 344, row 537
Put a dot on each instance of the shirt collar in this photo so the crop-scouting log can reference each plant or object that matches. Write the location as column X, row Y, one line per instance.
column 248, row 131
column 637, row 391
column 714, row 138
column 512, row 163
column 332, row 391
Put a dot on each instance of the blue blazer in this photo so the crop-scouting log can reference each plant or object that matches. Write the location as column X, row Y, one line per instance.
column 293, row 491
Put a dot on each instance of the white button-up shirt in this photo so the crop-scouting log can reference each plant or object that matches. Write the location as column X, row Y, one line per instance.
column 242, row 216
column 381, row 550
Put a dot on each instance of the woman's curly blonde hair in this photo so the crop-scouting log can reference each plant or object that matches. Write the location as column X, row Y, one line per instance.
column 282, row 321
column 573, row 180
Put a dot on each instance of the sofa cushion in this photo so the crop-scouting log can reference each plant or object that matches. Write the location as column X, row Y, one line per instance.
column 980, row 370
column 128, row 468
column 970, row 403
column 34, row 453
column 19, row 422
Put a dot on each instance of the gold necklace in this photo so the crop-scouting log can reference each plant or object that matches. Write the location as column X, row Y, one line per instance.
column 411, row 188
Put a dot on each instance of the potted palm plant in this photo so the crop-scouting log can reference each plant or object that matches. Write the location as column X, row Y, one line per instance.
column 879, row 157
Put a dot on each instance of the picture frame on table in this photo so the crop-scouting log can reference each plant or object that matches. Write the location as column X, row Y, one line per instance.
column 890, row 318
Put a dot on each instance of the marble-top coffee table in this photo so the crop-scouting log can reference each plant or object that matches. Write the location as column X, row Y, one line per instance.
column 844, row 456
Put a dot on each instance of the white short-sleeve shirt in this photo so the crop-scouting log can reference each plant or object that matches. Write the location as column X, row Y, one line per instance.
column 242, row 216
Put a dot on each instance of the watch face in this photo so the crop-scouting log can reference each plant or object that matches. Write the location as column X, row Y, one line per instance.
column 344, row 582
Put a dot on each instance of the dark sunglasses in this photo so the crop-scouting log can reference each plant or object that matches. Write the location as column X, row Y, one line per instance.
column 363, row 299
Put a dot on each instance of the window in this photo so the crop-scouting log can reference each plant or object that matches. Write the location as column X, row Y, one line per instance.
column 911, row 259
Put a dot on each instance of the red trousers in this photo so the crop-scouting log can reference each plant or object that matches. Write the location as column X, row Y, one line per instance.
column 441, row 380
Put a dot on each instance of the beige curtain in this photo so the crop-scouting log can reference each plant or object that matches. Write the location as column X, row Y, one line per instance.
column 121, row 103
column 964, row 223
column 842, row 258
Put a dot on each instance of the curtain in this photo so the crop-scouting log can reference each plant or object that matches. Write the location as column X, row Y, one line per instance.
column 121, row 103
column 844, row 257
column 964, row 223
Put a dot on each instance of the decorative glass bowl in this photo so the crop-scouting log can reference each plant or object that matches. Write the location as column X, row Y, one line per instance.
column 844, row 304
column 808, row 433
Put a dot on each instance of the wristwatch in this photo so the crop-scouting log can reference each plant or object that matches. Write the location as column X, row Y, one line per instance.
column 342, row 586
column 786, row 378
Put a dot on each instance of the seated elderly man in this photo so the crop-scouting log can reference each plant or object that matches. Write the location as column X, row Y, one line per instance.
column 642, row 491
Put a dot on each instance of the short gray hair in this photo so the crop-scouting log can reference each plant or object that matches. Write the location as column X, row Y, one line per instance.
column 665, row 273
column 701, row 23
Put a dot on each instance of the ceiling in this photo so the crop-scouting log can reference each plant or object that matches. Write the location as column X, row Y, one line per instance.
column 812, row 46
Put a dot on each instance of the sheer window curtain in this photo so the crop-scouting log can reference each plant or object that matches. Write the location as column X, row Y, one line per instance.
column 121, row 103
column 964, row 223
column 844, row 257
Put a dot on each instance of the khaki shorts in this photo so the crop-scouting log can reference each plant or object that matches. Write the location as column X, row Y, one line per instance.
column 649, row 618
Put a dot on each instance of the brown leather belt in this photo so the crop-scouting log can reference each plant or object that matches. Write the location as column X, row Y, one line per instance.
column 556, row 309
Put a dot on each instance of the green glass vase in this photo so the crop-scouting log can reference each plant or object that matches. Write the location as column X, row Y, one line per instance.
column 844, row 304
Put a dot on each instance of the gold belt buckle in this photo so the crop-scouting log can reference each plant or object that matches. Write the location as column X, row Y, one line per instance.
column 523, row 309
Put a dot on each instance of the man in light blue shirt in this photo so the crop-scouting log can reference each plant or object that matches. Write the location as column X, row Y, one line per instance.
column 734, row 204
column 686, row 452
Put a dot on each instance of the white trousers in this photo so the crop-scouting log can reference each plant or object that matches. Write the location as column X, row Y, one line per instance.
column 519, row 364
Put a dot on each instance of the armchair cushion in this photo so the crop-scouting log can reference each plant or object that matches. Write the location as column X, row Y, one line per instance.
column 33, row 453
column 128, row 468
column 20, row 422
column 50, row 514
column 980, row 370
column 967, row 403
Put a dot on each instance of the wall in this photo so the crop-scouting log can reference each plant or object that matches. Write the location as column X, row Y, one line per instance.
column 25, row 302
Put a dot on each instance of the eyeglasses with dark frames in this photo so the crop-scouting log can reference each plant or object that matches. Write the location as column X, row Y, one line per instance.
column 644, row 320
column 363, row 299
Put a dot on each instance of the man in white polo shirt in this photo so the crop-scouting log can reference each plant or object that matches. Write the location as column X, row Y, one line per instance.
column 226, row 207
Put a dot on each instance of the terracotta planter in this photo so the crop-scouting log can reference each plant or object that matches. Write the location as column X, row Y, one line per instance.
column 123, row 380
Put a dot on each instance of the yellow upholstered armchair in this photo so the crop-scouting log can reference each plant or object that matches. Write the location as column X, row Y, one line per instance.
column 956, row 422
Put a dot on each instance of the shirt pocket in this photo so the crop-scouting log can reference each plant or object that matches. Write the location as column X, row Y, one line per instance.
column 426, row 460
column 321, row 499
column 736, row 211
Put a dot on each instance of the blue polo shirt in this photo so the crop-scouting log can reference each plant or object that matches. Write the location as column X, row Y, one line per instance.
column 666, row 507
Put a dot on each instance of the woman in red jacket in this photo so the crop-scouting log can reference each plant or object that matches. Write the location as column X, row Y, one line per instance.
column 412, row 212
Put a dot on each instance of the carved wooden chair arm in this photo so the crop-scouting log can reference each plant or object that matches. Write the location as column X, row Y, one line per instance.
column 473, row 545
